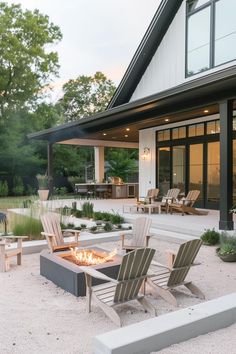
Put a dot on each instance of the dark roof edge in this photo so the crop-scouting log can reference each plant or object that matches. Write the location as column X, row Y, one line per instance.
column 187, row 86
column 145, row 51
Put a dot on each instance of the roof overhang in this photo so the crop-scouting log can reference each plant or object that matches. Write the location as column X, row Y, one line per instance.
column 209, row 89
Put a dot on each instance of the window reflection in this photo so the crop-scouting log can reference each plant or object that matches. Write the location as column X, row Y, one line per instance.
column 164, row 170
column 199, row 41
column 179, row 167
column 196, row 168
column 194, row 4
column 225, row 31
column 213, row 172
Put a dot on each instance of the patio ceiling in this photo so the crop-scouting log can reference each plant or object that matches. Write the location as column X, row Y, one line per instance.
column 180, row 103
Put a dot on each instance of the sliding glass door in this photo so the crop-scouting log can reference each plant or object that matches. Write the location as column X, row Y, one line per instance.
column 164, row 170
column 196, row 159
column 178, row 167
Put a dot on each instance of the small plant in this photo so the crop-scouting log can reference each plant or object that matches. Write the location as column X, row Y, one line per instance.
column 3, row 188
column 108, row 227
column 77, row 213
column 97, row 215
column 83, row 226
column 70, row 225
column 210, row 237
column 93, row 228
column 42, row 181
column 106, row 216
column 87, row 209
column 116, row 218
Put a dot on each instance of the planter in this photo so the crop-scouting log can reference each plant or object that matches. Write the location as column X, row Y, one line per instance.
column 43, row 194
column 227, row 257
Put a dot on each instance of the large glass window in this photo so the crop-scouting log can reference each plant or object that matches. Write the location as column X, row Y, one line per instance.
column 199, row 41
column 164, row 169
column 234, row 171
column 211, row 34
column 225, row 31
column 196, row 168
column 178, row 168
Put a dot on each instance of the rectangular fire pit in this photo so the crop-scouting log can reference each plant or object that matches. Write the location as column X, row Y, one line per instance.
column 59, row 268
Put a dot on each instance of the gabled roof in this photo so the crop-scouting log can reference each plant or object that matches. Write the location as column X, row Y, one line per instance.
column 147, row 48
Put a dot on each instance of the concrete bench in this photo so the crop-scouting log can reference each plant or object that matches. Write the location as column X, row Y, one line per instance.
column 160, row 332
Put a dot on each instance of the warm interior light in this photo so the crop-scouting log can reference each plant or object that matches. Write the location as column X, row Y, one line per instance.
column 127, row 129
column 104, row 134
column 126, row 136
column 206, row 111
column 167, row 120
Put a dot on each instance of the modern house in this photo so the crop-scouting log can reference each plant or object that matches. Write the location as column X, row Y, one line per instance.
column 176, row 102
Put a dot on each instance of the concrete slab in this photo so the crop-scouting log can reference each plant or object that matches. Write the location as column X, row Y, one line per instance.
column 160, row 332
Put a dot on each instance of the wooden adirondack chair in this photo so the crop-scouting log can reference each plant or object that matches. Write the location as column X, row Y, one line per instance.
column 175, row 273
column 169, row 198
column 185, row 205
column 140, row 235
column 152, row 194
column 54, row 233
column 132, row 274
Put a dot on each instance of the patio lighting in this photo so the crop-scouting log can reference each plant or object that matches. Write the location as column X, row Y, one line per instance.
column 146, row 153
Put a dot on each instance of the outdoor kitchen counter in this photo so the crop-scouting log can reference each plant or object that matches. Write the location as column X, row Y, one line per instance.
column 108, row 190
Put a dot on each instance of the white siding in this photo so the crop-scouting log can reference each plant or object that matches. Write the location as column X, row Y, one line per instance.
column 147, row 167
column 167, row 67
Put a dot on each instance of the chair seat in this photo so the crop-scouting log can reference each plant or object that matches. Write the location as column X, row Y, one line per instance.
column 161, row 278
column 105, row 293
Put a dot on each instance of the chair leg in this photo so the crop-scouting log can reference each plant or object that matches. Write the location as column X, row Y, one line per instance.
column 147, row 306
column 88, row 292
column 195, row 290
column 165, row 294
column 2, row 258
column 109, row 311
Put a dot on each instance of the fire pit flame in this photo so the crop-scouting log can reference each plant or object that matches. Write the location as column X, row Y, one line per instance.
column 91, row 257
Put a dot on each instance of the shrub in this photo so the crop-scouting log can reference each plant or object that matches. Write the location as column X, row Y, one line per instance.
column 106, row 216
column 77, row 213
column 18, row 187
column 116, row 218
column 108, row 226
column 210, row 237
column 60, row 191
column 70, row 225
column 97, row 215
column 30, row 190
column 27, row 225
column 87, row 209
column 3, row 188
column 93, row 228
column 83, row 226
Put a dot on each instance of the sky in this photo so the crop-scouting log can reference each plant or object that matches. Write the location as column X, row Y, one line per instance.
column 98, row 35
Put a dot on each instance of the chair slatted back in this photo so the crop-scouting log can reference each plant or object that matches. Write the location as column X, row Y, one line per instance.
column 184, row 259
column 51, row 225
column 140, row 231
column 152, row 194
column 173, row 193
column 192, row 196
column 133, row 269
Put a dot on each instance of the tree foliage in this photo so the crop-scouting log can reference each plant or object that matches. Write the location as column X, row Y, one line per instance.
column 26, row 63
column 122, row 162
column 86, row 96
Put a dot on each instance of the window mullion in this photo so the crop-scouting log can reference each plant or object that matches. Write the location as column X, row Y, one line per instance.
column 212, row 35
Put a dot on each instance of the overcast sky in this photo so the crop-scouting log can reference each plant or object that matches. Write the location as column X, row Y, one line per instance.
column 98, row 35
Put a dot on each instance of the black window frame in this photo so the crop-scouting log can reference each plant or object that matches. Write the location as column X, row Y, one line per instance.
column 212, row 5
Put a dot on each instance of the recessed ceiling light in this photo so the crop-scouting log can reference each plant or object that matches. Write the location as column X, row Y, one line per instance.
column 167, row 120
column 104, row 134
column 126, row 136
column 206, row 111
column 127, row 129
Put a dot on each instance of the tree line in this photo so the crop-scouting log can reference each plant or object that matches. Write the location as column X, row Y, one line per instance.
column 27, row 66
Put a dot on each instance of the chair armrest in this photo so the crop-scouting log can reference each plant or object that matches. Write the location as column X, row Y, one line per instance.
column 96, row 274
column 72, row 231
column 122, row 236
column 47, row 234
column 170, row 257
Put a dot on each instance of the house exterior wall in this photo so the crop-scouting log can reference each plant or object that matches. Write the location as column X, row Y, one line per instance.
column 167, row 67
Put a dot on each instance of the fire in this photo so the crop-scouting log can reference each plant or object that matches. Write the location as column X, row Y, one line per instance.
column 88, row 257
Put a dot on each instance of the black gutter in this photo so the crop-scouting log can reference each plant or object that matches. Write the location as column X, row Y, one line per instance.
column 147, row 48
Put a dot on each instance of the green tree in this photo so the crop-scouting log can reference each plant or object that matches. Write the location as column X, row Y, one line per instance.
column 26, row 63
column 86, row 96
column 122, row 162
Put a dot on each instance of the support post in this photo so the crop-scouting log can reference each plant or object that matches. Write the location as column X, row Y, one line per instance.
column 226, row 165
column 50, row 168
column 99, row 163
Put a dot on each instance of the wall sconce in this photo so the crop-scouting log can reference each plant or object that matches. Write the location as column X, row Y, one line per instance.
column 146, row 153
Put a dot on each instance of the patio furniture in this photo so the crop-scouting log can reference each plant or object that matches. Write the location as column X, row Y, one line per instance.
column 5, row 254
column 140, row 235
column 81, row 190
column 169, row 198
column 185, row 205
column 132, row 273
column 54, row 233
column 152, row 195
column 179, row 264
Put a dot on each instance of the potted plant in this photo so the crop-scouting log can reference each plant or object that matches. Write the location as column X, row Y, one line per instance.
column 43, row 190
column 227, row 249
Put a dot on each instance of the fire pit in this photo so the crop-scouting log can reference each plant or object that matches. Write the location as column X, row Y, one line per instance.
column 63, row 268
